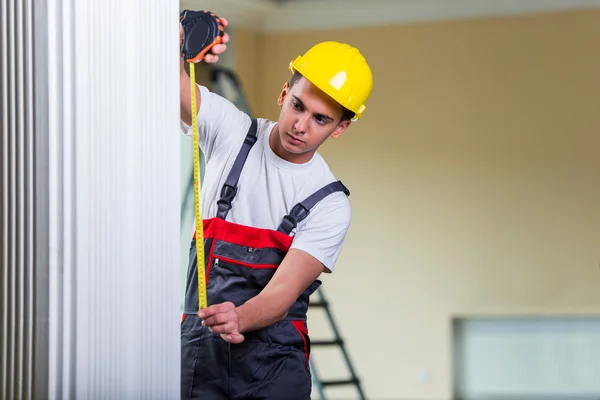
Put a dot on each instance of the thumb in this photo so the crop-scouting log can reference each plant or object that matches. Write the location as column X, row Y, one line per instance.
column 234, row 338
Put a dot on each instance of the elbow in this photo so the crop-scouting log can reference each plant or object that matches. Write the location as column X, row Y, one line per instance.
column 283, row 315
column 279, row 315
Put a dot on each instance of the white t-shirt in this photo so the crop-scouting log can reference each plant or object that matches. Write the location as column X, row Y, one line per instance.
column 269, row 186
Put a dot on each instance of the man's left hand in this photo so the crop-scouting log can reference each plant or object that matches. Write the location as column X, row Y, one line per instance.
column 224, row 320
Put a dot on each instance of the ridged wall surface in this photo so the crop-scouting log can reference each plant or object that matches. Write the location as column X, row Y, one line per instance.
column 90, row 288
column 16, row 201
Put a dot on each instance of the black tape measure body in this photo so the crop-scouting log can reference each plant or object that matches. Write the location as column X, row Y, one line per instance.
column 201, row 31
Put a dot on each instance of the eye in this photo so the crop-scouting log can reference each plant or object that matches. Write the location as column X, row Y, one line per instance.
column 296, row 105
column 321, row 121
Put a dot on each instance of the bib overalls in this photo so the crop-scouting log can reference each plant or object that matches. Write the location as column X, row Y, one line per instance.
column 273, row 362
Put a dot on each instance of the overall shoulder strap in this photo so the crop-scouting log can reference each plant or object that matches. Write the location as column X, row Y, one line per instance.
column 302, row 209
column 229, row 189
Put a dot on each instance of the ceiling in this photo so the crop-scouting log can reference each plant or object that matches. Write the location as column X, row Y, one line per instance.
column 284, row 15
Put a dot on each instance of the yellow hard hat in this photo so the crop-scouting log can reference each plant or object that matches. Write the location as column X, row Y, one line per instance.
column 339, row 70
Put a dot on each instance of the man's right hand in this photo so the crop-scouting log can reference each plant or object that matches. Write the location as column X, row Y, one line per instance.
column 213, row 56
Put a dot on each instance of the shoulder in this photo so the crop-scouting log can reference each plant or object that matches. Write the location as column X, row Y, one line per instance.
column 324, row 176
column 322, row 233
column 214, row 106
column 264, row 126
column 335, row 208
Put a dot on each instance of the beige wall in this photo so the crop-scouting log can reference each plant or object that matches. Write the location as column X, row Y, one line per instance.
column 475, row 180
column 248, row 65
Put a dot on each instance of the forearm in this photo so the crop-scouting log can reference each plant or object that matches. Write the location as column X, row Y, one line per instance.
column 261, row 311
column 185, row 91
column 297, row 271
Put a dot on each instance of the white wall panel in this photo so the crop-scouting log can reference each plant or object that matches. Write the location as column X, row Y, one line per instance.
column 16, row 201
column 90, row 205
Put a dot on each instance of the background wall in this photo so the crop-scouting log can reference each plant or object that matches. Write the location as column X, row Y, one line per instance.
column 474, row 181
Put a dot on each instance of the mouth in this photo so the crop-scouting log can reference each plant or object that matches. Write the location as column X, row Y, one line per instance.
column 294, row 140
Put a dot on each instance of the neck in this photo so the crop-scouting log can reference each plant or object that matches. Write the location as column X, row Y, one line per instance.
column 281, row 152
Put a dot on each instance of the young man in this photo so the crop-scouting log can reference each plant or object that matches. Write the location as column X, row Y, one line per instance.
column 275, row 218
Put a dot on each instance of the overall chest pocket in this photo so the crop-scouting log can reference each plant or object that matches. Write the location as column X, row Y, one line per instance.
column 255, row 265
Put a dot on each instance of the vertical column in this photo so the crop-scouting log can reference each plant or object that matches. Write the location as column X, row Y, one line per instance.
column 16, row 201
column 89, row 201
column 107, row 212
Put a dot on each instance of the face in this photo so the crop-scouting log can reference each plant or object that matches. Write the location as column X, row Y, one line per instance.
column 307, row 118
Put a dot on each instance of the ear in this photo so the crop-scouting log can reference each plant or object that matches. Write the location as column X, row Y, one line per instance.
column 342, row 126
column 284, row 91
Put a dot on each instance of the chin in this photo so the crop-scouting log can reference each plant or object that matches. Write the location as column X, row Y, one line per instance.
column 290, row 148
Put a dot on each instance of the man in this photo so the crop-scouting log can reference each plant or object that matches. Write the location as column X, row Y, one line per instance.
column 275, row 218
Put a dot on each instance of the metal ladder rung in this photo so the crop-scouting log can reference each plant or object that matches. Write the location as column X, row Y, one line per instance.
column 335, row 342
column 323, row 304
column 340, row 382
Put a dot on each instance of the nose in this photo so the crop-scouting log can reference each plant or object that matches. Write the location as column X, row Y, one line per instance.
column 302, row 123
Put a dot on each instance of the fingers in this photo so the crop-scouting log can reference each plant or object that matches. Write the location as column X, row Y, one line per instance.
column 225, row 38
column 217, row 319
column 227, row 327
column 213, row 55
column 222, row 319
column 211, row 58
column 218, row 314
column 215, row 309
column 218, row 49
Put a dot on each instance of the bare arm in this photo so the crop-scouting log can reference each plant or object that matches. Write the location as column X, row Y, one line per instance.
column 297, row 271
column 185, row 91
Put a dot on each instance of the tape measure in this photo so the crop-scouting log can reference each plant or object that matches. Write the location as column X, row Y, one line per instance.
column 201, row 31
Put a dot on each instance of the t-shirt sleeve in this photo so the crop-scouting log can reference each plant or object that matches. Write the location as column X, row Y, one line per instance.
column 323, row 232
column 220, row 123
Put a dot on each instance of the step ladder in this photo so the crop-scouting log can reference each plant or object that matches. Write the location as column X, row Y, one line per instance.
column 321, row 385
column 226, row 83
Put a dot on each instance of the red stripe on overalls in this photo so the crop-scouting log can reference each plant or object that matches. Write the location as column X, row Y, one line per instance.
column 248, row 265
column 301, row 328
column 242, row 235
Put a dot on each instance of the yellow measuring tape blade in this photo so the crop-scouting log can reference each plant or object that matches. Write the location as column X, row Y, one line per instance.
column 202, row 302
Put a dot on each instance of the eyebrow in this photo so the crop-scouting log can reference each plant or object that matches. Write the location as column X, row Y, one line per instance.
column 319, row 115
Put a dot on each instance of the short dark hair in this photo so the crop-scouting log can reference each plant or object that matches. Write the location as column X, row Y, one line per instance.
column 346, row 114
